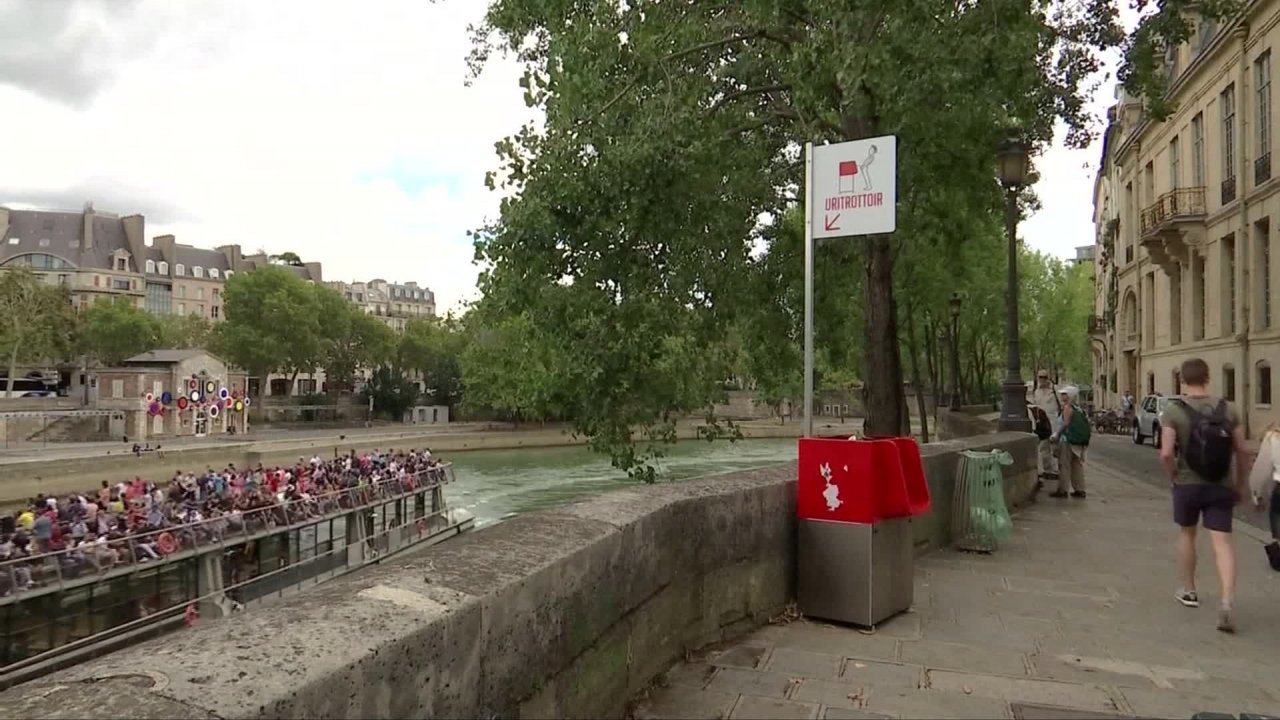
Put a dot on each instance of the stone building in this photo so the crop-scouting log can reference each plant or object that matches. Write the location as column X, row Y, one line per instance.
column 395, row 304
column 173, row 393
column 1186, row 212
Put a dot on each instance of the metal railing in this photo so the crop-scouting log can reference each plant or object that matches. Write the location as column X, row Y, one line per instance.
column 1262, row 169
column 1228, row 190
column 64, row 568
column 1181, row 203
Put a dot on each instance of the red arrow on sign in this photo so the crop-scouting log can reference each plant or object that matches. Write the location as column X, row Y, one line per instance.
column 831, row 223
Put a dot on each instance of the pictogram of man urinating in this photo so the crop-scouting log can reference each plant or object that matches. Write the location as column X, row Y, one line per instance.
column 850, row 170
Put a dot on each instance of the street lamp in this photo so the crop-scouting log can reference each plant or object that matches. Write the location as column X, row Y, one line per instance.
column 955, row 350
column 1013, row 166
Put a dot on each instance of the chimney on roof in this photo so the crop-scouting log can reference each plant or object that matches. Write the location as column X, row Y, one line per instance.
column 136, row 238
column 164, row 243
column 88, row 226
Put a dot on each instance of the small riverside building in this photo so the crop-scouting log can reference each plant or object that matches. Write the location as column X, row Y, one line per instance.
column 173, row 393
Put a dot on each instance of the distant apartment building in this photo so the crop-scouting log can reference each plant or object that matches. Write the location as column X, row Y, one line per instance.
column 393, row 303
column 100, row 255
column 1186, row 212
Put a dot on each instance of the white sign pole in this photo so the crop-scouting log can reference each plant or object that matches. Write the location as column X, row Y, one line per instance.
column 808, row 290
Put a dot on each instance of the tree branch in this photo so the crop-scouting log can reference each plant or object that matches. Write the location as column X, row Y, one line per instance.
column 736, row 94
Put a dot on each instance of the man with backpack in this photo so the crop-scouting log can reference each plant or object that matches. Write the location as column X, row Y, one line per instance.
column 1200, row 437
column 1073, row 445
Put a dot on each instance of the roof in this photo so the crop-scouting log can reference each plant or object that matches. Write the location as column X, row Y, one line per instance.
column 61, row 234
column 152, row 357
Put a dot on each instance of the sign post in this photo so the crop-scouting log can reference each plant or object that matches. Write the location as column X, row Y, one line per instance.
column 853, row 188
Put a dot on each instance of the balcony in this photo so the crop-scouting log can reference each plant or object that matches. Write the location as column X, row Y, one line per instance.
column 1172, row 225
column 1228, row 190
column 1262, row 169
column 1097, row 325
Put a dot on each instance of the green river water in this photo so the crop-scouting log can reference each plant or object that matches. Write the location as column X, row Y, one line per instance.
column 497, row 484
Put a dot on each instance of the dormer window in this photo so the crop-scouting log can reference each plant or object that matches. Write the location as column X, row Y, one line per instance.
column 163, row 267
column 151, row 267
column 122, row 265
column 197, row 271
column 213, row 273
column 230, row 273
column 179, row 269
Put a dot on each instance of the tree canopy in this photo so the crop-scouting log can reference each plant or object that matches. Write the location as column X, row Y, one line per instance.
column 117, row 329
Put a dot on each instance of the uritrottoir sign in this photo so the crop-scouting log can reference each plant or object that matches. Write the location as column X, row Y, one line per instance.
column 855, row 188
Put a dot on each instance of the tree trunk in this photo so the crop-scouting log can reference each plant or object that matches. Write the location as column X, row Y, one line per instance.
column 931, row 364
column 883, row 367
column 916, row 380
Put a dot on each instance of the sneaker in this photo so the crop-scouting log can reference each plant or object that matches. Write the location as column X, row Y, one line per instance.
column 1079, row 494
column 1225, row 622
column 1188, row 598
column 1057, row 494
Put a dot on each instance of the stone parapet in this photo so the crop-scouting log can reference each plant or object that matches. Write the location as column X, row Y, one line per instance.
column 564, row 613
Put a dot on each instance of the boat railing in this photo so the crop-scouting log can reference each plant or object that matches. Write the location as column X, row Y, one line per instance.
column 135, row 551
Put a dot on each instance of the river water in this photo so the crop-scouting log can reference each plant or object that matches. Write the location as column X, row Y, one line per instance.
column 497, row 484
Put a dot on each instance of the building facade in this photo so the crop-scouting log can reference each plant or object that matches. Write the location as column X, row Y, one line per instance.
column 395, row 304
column 1186, row 212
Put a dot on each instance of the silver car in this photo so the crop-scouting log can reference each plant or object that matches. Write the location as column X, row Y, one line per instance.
column 1146, row 424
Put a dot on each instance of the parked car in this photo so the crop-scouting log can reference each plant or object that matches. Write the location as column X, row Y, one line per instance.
column 1146, row 424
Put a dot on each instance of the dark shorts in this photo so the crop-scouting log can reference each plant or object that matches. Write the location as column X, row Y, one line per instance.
column 1215, row 502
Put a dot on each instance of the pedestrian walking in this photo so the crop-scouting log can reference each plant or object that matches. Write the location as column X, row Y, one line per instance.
column 1072, row 443
column 1264, row 482
column 1201, row 435
column 1045, row 398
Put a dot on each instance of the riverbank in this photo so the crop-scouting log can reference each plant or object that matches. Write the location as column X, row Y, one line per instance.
column 76, row 470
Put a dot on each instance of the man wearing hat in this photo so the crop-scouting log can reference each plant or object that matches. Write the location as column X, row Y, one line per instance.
column 1073, row 445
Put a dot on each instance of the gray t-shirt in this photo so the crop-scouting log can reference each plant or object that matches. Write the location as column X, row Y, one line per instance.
column 1175, row 416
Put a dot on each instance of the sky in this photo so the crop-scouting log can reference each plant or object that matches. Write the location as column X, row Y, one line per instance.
column 349, row 137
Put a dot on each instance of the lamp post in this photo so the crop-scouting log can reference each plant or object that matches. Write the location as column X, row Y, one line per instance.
column 955, row 350
column 1012, row 164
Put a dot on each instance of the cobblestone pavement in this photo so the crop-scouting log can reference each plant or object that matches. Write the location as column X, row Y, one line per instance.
column 1074, row 616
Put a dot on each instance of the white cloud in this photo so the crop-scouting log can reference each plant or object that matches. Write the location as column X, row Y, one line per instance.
column 344, row 135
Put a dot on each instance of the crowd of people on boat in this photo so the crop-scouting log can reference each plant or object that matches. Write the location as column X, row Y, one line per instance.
column 139, row 521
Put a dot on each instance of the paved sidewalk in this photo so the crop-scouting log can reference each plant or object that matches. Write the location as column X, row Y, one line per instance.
column 1076, row 613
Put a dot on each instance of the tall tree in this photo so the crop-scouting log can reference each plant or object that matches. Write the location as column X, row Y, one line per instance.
column 114, row 330
column 349, row 338
column 185, row 331
column 36, row 321
column 670, row 128
column 272, row 323
column 433, row 348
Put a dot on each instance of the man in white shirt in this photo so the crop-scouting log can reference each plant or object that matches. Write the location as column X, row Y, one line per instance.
column 1045, row 397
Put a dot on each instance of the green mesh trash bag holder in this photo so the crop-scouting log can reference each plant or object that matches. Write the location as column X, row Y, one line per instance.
column 979, row 517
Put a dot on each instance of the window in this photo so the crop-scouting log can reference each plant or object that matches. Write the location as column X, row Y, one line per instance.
column 1262, row 81
column 182, row 308
column 15, row 240
column 213, row 273
column 1198, row 297
column 1264, row 383
column 118, row 284
column 151, row 267
column 1229, row 281
column 1197, row 150
column 158, row 299
column 1174, row 162
column 216, row 294
column 1229, row 383
column 122, row 265
column 1228, row 106
column 40, row 261
column 163, row 267
column 1175, row 308
column 200, row 309
column 179, row 269
column 97, row 281
column 213, row 311
column 197, row 271
column 229, row 274
column 199, row 293
column 117, row 388
column 1262, row 237
column 182, row 291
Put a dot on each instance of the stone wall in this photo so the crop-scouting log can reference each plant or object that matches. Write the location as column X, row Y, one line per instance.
column 565, row 613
